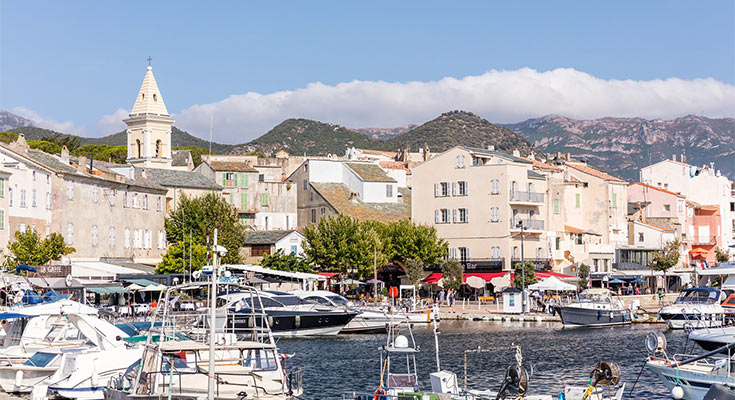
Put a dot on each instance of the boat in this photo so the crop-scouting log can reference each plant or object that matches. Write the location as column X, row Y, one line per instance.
column 288, row 315
column 699, row 306
column 594, row 307
column 713, row 338
column 366, row 320
column 690, row 376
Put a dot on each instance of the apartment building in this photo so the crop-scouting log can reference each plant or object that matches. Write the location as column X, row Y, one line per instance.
column 702, row 185
column 359, row 189
column 480, row 201
column 263, row 201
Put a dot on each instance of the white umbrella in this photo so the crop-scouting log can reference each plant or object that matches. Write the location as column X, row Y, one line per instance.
column 552, row 283
column 135, row 286
column 153, row 288
column 475, row 282
column 500, row 283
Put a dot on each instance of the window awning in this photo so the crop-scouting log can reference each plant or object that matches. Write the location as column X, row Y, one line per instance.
column 141, row 282
column 328, row 274
column 107, row 289
column 546, row 274
column 434, row 277
column 485, row 276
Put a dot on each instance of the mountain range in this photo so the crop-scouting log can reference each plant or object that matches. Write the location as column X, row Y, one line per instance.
column 620, row 146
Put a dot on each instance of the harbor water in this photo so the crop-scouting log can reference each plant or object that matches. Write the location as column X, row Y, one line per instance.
column 346, row 363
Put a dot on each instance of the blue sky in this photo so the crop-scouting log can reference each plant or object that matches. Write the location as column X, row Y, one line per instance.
column 69, row 64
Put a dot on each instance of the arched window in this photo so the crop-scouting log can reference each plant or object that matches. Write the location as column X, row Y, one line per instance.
column 158, row 148
column 137, row 143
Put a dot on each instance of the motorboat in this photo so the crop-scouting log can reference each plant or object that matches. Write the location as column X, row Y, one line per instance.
column 690, row 376
column 713, row 338
column 21, row 378
column 366, row 321
column 699, row 306
column 288, row 315
column 594, row 307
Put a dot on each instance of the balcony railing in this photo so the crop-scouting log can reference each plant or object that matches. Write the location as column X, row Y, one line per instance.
column 540, row 263
column 485, row 264
column 526, row 197
column 528, row 224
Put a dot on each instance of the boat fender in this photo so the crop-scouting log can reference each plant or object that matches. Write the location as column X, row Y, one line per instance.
column 379, row 394
column 270, row 320
column 677, row 393
column 599, row 314
column 297, row 321
column 18, row 378
column 562, row 396
column 94, row 380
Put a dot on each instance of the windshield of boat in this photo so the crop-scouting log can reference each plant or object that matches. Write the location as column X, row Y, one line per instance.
column 40, row 359
column 339, row 300
column 698, row 296
column 179, row 363
column 260, row 360
column 593, row 298
column 318, row 300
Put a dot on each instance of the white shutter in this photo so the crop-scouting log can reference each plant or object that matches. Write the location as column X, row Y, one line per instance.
column 436, row 216
column 466, row 188
column 454, row 188
column 436, row 190
column 466, row 215
column 454, row 215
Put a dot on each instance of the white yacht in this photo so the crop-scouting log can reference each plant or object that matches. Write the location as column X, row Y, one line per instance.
column 595, row 307
column 700, row 306
column 366, row 321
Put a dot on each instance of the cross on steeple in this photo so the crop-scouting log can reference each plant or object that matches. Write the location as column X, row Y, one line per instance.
column 149, row 60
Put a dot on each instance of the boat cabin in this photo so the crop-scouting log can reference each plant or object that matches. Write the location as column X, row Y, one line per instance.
column 700, row 295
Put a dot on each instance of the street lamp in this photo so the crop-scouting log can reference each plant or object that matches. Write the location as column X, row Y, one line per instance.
column 523, row 270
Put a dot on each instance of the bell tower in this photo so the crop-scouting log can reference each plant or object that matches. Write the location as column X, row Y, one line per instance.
column 149, row 126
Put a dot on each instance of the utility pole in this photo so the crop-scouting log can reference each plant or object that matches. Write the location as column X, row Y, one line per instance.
column 523, row 271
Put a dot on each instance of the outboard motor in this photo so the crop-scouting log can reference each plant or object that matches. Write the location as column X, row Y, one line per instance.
column 515, row 383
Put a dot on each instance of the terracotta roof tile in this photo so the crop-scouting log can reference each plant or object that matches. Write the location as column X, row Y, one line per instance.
column 594, row 172
column 394, row 165
column 391, row 154
column 543, row 165
column 338, row 196
column 235, row 166
column 369, row 172
column 655, row 188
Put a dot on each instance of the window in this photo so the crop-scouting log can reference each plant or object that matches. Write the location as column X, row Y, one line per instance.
column 112, row 237
column 261, row 178
column 462, row 188
column 667, row 207
column 145, row 201
column 640, row 236
column 94, row 194
column 264, row 199
column 558, row 243
column 22, row 198
column 243, row 201
column 452, row 253
column 464, row 254
column 70, row 190
column 494, row 214
column 294, row 249
column 49, row 200
column 161, row 239
column 33, row 198
column 22, row 228
column 578, row 238
column 444, row 189
column 464, row 216
column 243, row 180
column 33, row 174
column 578, row 200
column 125, row 199
column 258, row 250
column 494, row 186
column 127, row 238
column 388, row 190
column 158, row 142
column 159, row 203
column 311, row 195
column 137, row 239
column 515, row 252
column 10, row 197
column 680, row 207
column 230, row 198
column 2, row 187
column 441, row 216
column 147, row 239
column 111, row 197
column 69, row 233
column 135, row 200
column 495, row 252
column 94, row 236
column 2, row 219
column 460, row 161
column 540, row 253
column 323, row 211
column 615, row 200
column 305, row 184
column 313, row 215
column 556, row 206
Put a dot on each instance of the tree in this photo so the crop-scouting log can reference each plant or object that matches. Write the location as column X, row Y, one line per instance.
column 28, row 248
column 406, row 240
column 414, row 270
column 583, row 273
column 103, row 152
column 44, row 146
column 71, row 142
column 285, row 262
column 177, row 258
column 340, row 243
column 667, row 258
column 722, row 255
column 530, row 274
column 452, row 274
column 199, row 217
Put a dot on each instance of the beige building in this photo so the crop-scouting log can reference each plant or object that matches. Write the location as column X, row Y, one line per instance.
column 4, row 209
column 478, row 200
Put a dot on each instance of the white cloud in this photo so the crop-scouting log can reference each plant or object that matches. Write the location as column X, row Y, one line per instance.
column 499, row 96
column 112, row 123
column 63, row 127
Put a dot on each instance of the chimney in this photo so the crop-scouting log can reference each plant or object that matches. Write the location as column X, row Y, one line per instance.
column 569, row 156
column 491, row 147
column 20, row 145
column 516, row 153
column 82, row 166
column 65, row 154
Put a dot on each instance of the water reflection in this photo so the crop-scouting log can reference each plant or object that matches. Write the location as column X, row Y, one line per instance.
column 558, row 356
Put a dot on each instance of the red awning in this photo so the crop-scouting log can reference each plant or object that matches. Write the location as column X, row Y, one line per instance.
column 328, row 274
column 546, row 274
column 433, row 278
column 485, row 276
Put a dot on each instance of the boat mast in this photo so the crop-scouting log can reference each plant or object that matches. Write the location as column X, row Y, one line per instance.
column 436, row 338
column 212, row 319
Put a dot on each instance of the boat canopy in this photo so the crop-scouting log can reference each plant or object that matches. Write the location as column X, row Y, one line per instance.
column 10, row 315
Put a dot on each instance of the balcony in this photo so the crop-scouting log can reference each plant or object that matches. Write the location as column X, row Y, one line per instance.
column 529, row 225
column 484, row 264
column 541, row 263
column 516, row 197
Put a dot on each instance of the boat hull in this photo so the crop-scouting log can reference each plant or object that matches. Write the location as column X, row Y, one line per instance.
column 31, row 377
column 579, row 316
column 694, row 384
column 291, row 324
column 698, row 321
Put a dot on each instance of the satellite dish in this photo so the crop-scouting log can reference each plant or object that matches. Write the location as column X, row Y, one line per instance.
column 68, row 281
column 476, row 282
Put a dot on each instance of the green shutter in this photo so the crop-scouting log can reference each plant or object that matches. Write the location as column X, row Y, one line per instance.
column 615, row 200
column 2, row 219
column 264, row 199
column 2, row 187
column 579, row 200
column 230, row 198
column 243, row 201
column 556, row 206
column 224, row 179
column 244, row 180
column 234, row 180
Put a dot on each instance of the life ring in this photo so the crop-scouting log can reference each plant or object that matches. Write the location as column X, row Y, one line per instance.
column 379, row 394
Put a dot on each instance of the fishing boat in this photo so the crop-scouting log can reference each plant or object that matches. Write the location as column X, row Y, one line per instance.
column 690, row 376
column 366, row 321
column 594, row 307
column 700, row 307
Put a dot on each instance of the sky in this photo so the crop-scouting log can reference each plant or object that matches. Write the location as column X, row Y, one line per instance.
column 76, row 66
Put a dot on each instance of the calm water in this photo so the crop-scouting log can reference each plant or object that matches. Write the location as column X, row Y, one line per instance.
column 560, row 357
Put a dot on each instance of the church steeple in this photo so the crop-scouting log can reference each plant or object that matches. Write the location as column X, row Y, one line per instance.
column 149, row 126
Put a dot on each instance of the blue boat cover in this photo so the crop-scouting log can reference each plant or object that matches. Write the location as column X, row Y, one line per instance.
column 31, row 297
column 10, row 315
column 23, row 267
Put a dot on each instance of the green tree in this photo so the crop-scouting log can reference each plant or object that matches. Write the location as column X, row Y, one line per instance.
column 722, row 255
column 179, row 255
column 44, row 146
column 667, row 258
column 71, row 142
column 406, row 240
column 8, row 137
column 530, row 274
column 583, row 273
column 285, row 262
column 28, row 248
column 102, row 152
column 199, row 217
column 414, row 270
column 452, row 274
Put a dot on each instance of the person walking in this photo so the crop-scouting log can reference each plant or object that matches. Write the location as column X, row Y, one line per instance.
column 450, row 299
column 441, row 297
